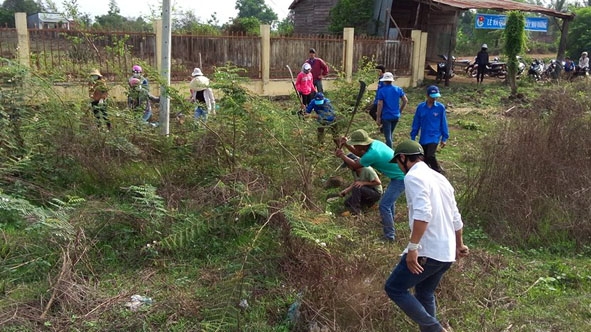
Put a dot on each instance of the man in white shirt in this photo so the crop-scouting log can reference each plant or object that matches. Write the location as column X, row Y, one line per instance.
column 435, row 242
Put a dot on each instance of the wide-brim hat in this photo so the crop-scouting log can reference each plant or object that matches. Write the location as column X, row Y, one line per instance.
column 387, row 77
column 95, row 72
column 360, row 137
column 196, row 72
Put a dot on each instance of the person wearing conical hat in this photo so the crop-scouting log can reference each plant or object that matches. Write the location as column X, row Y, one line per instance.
column 98, row 93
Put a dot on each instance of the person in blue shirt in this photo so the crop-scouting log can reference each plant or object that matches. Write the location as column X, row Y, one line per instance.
column 325, row 115
column 431, row 122
column 373, row 109
column 389, row 106
column 377, row 155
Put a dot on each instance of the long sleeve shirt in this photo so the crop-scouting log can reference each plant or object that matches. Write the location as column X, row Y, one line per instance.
column 431, row 122
column 430, row 198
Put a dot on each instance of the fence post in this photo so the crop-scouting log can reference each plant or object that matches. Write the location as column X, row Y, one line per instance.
column 265, row 55
column 419, row 49
column 23, row 39
column 158, row 42
column 349, row 41
column 423, row 57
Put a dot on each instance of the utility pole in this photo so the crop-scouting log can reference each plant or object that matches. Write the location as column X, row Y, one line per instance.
column 165, row 70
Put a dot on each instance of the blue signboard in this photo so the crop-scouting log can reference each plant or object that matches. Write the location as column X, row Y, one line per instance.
column 536, row 24
column 489, row 21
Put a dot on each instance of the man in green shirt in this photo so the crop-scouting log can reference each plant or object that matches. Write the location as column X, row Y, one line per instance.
column 377, row 155
column 365, row 190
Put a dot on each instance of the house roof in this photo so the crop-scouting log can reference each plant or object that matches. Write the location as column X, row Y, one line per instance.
column 501, row 5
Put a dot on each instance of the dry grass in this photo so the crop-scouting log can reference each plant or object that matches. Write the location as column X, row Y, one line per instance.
column 534, row 179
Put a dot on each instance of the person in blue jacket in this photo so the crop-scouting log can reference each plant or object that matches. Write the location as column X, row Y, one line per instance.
column 431, row 122
column 325, row 115
column 373, row 108
column 391, row 102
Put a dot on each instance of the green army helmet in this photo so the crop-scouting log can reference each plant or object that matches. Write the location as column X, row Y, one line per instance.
column 408, row 148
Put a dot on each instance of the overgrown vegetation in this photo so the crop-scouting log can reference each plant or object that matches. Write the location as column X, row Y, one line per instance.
column 224, row 224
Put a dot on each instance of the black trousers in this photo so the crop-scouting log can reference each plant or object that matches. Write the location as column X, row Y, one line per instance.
column 100, row 111
column 361, row 198
column 430, row 150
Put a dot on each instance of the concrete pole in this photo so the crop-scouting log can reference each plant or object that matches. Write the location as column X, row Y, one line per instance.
column 415, row 63
column 265, row 30
column 22, row 34
column 165, row 69
column 349, row 40
column 158, row 42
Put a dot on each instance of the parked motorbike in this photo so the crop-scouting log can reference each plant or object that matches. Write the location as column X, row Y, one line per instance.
column 497, row 69
column 521, row 65
column 552, row 71
column 442, row 67
column 579, row 72
column 494, row 69
column 536, row 69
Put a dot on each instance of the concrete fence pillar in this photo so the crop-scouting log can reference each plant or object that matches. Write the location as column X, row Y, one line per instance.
column 423, row 57
column 415, row 66
column 158, row 42
column 23, row 50
column 348, row 47
column 265, row 55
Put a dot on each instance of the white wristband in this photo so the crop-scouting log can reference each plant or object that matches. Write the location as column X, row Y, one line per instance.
column 413, row 246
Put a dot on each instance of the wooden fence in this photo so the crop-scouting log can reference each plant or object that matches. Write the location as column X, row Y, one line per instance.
column 73, row 53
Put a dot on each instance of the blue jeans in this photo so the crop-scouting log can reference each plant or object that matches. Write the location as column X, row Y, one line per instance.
column 147, row 115
column 388, row 127
column 318, row 85
column 200, row 113
column 421, row 307
column 388, row 208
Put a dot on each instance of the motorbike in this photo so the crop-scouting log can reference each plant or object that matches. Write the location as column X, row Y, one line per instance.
column 521, row 65
column 579, row 72
column 536, row 69
column 442, row 67
column 552, row 71
column 495, row 68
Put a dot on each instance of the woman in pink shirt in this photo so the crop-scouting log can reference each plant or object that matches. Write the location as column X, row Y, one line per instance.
column 305, row 85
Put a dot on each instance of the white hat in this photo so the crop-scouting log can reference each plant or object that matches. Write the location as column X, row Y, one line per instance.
column 484, row 46
column 197, row 72
column 584, row 53
column 388, row 77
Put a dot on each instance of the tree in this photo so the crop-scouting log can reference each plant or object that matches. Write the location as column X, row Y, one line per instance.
column 579, row 38
column 187, row 22
column 9, row 7
column 351, row 13
column 255, row 9
column 247, row 25
column 286, row 26
column 515, row 38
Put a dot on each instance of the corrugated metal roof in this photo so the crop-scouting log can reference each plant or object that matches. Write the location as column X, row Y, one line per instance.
column 501, row 5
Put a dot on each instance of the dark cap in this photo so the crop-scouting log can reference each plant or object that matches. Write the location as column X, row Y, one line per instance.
column 352, row 157
column 312, row 51
column 381, row 67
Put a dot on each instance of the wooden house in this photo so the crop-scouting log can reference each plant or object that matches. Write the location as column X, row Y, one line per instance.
column 312, row 16
column 395, row 19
